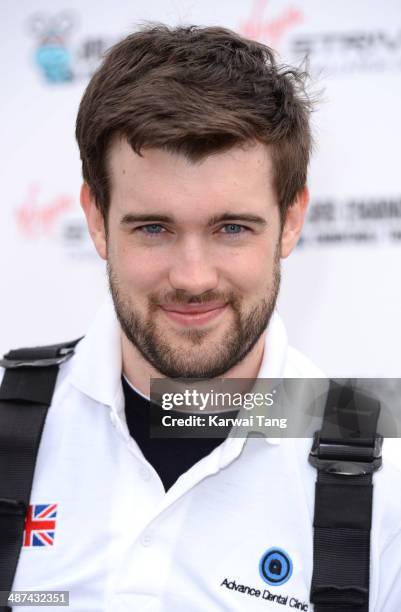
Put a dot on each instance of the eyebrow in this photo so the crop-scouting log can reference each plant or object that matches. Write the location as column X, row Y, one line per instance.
column 247, row 218
column 131, row 218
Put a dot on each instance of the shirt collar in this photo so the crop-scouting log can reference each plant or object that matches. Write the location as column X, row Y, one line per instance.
column 274, row 355
column 97, row 364
column 96, row 368
column 275, row 349
column 272, row 366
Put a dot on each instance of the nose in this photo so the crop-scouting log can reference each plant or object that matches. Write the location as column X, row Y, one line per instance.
column 192, row 269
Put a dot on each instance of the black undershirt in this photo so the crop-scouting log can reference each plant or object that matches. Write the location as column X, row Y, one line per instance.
column 170, row 457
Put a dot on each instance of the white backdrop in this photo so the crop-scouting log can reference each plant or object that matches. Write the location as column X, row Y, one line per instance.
column 341, row 294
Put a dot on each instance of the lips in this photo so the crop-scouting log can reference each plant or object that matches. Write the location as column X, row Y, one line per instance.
column 193, row 308
column 193, row 314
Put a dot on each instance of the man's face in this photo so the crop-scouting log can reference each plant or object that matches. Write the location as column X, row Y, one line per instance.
column 193, row 254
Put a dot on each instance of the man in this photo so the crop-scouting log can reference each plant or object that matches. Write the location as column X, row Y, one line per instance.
column 195, row 147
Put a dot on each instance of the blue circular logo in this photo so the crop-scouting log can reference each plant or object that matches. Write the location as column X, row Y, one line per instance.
column 275, row 567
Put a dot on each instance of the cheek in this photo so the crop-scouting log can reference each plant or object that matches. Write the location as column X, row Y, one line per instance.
column 251, row 271
column 140, row 270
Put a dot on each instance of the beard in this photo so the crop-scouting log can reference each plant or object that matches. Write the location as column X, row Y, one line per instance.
column 191, row 354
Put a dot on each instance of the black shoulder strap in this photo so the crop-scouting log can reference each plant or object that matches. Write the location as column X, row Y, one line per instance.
column 345, row 452
column 25, row 396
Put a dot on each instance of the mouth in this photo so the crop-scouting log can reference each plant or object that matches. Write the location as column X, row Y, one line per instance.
column 193, row 314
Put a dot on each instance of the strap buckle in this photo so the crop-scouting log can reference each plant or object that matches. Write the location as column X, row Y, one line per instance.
column 63, row 355
column 346, row 459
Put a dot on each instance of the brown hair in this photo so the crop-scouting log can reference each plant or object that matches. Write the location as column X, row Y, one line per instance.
column 195, row 91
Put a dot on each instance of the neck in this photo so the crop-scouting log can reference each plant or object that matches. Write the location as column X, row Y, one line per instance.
column 139, row 371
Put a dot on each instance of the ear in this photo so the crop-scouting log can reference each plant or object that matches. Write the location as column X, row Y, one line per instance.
column 95, row 221
column 293, row 223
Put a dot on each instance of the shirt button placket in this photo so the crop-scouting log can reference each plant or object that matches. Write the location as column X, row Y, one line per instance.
column 145, row 473
column 146, row 538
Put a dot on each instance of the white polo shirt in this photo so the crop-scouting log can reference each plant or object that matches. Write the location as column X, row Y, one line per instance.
column 113, row 538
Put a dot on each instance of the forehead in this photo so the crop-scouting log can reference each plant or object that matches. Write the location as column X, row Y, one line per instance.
column 238, row 175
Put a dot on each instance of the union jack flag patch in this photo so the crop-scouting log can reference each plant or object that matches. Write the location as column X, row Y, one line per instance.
column 40, row 525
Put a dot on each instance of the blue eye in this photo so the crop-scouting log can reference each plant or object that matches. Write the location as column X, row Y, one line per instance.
column 233, row 228
column 154, row 228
